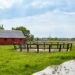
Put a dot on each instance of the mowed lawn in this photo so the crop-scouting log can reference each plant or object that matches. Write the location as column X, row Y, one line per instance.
column 23, row 63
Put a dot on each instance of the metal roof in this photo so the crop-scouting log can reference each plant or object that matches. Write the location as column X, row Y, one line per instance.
column 11, row 34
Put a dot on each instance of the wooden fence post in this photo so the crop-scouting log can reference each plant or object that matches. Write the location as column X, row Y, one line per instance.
column 37, row 48
column 63, row 45
column 59, row 47
column 44, row 45
column 27, row 47
column 67, row 46
column 20, row 46
column 49, row 47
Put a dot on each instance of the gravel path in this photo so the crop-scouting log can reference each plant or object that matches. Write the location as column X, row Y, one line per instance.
column 67, row 68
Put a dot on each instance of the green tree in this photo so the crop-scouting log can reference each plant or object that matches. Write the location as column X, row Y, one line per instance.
column 25, row 31
column 1, row 27
column 31, row 37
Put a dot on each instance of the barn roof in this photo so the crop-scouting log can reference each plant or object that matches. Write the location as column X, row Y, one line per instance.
column 11, row 34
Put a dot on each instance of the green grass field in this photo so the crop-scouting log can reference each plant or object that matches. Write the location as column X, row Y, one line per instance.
column 22, row 63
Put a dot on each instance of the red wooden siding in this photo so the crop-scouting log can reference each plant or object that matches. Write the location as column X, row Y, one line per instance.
column 11, row 40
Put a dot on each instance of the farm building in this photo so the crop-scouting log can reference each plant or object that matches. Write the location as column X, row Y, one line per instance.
column 11, row 36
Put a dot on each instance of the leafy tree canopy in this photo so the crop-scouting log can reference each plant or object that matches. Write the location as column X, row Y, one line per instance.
column 25, row 31
column 1, row 27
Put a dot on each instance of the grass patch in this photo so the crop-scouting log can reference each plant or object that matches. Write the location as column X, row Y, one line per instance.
column 23, row 63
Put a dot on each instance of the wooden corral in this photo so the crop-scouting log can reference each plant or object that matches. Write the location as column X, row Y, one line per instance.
column 46, row 47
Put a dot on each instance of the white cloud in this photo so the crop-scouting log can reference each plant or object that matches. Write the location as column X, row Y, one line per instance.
column 8, row 3
column 40, row 3
column 54, row 5
column 45, row 25
column 62, row 5
column 59, row 22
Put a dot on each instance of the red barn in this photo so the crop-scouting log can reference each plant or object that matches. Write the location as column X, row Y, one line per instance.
column 11, row 36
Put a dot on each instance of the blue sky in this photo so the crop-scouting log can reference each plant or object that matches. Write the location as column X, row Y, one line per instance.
column 44, row 18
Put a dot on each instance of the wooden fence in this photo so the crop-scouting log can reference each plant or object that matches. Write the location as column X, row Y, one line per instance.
column 44, row 46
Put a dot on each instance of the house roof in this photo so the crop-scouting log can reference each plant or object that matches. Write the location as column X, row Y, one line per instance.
column 11, row 34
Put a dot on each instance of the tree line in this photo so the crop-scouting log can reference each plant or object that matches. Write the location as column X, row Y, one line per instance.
column 30, row 37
